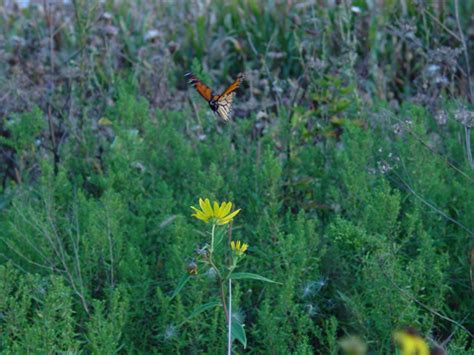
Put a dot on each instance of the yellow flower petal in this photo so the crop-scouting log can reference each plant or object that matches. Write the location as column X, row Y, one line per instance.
column 222, row 209
column 233, row 214
column 201, row 216
column 217, row 210
column 209, row 207
column 410, row 343
column 221, row 221
column 201, row 203
column 238, row 247
column 228, row 218
column 219, row 214
column 206, row 207
column 226, row 209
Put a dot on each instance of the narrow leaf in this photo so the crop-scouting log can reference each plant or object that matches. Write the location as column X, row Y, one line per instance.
column 180, row 286
column 200, row 309
column 248, row 275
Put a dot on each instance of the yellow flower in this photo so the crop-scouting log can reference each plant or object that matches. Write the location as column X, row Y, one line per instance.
column 238, row 248
column 217, row 215
column 411, row 343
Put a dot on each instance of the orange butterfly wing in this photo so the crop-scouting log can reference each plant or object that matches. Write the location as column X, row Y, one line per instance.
column 201, row 88
column 222, row 102
column 232, row 87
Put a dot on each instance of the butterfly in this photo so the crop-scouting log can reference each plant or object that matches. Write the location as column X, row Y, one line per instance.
column 220, row 104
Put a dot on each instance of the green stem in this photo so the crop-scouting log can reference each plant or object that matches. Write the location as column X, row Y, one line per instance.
column 212, row 238
column 219, row 276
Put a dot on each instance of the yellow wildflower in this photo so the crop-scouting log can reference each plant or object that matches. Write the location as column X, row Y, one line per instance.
column 411, row 343
column 217, row 215
column 238, row 248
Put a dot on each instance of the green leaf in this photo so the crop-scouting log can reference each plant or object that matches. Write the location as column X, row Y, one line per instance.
column 248, row 275
column 238, row 332
column 200, row 309
column 181, row 284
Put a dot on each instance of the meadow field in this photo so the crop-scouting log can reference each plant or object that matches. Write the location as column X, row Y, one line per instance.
column 348, row 162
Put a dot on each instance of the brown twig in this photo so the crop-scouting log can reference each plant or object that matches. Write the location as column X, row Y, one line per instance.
column 220, row 282
column 230, row 232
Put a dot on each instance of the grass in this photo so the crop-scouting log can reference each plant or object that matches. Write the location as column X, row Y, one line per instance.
column 349, row 155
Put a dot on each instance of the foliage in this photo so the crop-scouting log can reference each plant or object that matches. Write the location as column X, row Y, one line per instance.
column 347, row 156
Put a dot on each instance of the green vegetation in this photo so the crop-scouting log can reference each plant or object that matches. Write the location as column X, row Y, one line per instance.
column 349, row 155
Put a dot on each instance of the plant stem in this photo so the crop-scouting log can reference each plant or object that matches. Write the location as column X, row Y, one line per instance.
column 219, row 277
column 212, row 238
column 221, row 285
column 229, row 338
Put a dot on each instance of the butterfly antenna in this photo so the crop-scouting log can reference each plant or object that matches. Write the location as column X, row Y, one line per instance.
column 191, row 78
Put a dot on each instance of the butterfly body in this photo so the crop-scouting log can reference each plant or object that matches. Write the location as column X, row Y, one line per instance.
column 219, row 104
column 213, row 103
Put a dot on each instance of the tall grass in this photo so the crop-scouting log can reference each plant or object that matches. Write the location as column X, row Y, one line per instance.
column 348, row 156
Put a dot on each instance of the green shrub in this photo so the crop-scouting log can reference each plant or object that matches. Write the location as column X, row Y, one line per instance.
column 355, row 195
